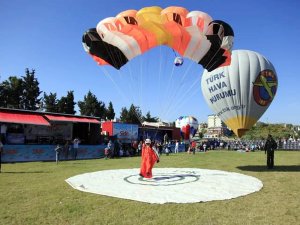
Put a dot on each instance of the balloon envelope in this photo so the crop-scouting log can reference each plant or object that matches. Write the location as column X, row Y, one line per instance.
column 188, row 126
column 241, row 92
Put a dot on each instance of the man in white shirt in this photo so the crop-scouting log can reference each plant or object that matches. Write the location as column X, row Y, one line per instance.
column 76, row 142
column 176, row 147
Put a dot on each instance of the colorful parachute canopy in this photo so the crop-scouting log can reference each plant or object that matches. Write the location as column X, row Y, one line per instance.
column 240, row 93
column 188, row 126
column 194, row 35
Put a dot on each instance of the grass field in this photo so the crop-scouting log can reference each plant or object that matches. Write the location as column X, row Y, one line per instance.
column 36, row 193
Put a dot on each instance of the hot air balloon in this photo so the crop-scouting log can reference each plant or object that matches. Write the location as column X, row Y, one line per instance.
column 188, row 126
column 241, row 92
column 117, row 40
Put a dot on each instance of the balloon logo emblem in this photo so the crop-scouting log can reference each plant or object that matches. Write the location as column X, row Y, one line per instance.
column 265, row 87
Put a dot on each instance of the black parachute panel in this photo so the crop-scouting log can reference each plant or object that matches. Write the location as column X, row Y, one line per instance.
column 97, row 47
column 214, row 57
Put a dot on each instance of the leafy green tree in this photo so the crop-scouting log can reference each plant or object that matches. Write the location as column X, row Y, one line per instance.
column 90, row 106
column 261, row 131
column 110, row 112
column 134, row 115
column 4, row 90
column 70, row 104
column 50, row 102
column 66, row 104
column 11, row 93
column 62, row 105
column 30, row 97
column 149, row 118
column 124, row 114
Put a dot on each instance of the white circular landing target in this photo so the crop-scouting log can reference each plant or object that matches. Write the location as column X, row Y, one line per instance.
column 168, row 185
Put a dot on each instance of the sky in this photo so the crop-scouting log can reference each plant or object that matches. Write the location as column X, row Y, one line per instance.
column 47, row 36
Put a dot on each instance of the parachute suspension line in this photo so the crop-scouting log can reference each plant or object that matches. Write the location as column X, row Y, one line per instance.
column 159, row 86
column 174, row 53
column 163, row 109
column 119, row 90
column 164, row 73
column 117, row 60
column 110, row 53
column 166, row 109
column 212, row 59
column 132, row 86
column 159, row 76
column 178, row 90
column 183, row 98
column 141, row 84
column 133, row 99
column 189, row 97
column 107, row 74
column 124, row 96
column 136, row 86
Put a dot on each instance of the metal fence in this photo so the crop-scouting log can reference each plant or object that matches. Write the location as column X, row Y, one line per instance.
column 259, row 144
column 290, row 145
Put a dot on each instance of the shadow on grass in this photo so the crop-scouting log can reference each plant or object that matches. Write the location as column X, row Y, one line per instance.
column 17, row 172
column 261, row 168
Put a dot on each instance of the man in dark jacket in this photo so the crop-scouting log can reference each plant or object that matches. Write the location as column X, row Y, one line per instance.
column 270, row 147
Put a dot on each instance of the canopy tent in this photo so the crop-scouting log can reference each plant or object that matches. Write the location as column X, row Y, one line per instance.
column 71, row 119
column 23, row 118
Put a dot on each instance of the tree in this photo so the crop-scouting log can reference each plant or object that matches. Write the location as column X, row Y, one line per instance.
column 11, row 93
column 134, row 115
column 124, row 114
column 70, row 104
column 66, row 104
column 4, row 89
column 62, row 105
column 149, row 118
column 30, row 97
column 50, row 102
column 110, row 112
column 90, row 106
column 261, row 131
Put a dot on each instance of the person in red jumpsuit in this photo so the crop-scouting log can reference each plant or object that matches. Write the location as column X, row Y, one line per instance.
column 149, row 158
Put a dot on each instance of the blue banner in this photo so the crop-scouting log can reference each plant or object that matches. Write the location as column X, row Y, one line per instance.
column 29, row 153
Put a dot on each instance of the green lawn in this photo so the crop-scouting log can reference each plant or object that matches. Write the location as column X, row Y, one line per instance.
column 36, row 193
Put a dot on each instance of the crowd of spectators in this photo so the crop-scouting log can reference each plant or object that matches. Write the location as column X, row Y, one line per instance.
column 118, row 149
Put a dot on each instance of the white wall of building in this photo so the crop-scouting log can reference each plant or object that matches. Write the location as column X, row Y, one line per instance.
column 214, row 121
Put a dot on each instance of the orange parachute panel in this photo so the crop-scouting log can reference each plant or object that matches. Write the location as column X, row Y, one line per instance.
column 175, row 20
column 99, row 60
column 176, row 14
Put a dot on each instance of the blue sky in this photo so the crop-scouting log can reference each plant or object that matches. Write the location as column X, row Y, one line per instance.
column 46, row 36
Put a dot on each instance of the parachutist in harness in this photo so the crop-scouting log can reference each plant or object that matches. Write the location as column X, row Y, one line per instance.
column 178, row 61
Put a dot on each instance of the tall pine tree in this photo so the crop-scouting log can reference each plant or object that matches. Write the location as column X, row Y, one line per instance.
column 124, row 115
column 134, row 115
column 149, row 118
column 50, row 102
column 90, row 106
column 30, row 97
column 70, row 104
column 11, row 92
column 110, row 112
